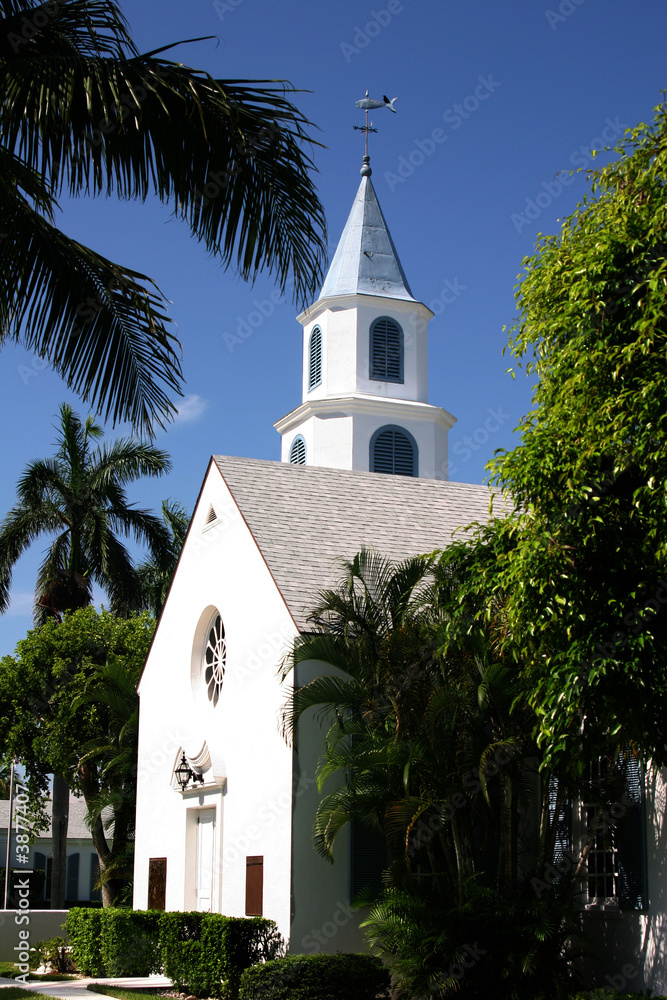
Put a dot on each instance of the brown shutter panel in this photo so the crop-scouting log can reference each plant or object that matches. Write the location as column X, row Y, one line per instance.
column 254, row 885
column 157, row 883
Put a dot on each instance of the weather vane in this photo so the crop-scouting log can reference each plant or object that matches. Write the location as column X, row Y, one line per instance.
column 369, row 104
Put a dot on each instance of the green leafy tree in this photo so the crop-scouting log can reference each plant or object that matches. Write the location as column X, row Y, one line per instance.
column 80, row 495
column 69, row 706
column 581, row 565
column 84, row 112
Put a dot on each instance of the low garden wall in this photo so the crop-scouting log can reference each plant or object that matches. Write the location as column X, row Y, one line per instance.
column 40, row 925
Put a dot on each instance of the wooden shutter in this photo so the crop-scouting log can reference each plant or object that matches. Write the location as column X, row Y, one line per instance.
column 157, row 883
column 254, row 885
column 72, row 891
column 40, row 865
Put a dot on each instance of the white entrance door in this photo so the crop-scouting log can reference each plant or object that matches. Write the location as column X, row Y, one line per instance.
column 205, row 858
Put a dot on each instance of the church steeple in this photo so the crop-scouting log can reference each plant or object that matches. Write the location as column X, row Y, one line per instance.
column 365, row 368
column 366, row 261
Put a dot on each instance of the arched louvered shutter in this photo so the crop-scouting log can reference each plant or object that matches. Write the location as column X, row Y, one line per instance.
column 297, row 453
column 314, row 360
column 394, row 451
column 386, row 350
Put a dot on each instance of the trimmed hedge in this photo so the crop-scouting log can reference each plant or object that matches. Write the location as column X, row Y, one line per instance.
column 317, row 977
column 84, row 930
column 129, row 941
column 204, row 953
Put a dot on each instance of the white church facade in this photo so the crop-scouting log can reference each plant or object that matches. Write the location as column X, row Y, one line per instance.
column 363, row 462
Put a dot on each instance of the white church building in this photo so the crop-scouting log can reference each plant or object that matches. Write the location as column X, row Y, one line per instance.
column 363, row 462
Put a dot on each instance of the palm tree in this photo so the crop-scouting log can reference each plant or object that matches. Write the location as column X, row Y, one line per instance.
column 84, row 112
column 430, row 738
column 155, row 574
column 79, row 495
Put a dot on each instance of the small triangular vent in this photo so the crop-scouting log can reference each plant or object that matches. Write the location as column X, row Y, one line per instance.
column 211, row 516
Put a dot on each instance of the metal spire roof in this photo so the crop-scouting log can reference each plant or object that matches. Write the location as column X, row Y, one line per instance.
column 366, row 261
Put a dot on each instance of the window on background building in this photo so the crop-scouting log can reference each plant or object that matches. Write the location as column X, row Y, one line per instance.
column 394, row 451
column 386, row 351
column 297, row 453
column 315, row 359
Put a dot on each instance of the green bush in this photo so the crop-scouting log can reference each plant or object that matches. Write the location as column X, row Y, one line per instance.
column 180, row 946
column 54, row 951
column 130, row 941
column 84, row 929
column 317, row 977
column 114, row 941
column 207, row 953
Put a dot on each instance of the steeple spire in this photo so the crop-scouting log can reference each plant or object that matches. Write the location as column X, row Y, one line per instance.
column 366, row 262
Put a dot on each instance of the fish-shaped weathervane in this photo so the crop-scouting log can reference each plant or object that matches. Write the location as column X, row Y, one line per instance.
column 370, row 104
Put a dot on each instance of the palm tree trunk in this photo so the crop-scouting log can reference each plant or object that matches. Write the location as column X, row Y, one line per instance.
column 59, row 820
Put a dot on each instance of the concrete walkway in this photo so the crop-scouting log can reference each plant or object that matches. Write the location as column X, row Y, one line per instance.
column 76, row 989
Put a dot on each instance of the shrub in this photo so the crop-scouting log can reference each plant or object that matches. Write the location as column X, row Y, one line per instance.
column 317, row 977
column 180, row 946
column 84, row 929
column 56, row 952
column 129, row 941
column 207, row 953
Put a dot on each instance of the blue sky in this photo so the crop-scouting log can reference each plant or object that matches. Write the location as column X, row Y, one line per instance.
column 495, row 97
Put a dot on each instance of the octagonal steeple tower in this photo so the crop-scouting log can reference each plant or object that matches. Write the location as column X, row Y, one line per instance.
column 365, row 362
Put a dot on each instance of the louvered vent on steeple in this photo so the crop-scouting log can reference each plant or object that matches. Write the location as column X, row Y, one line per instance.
column 297, row 454
column 393, row 452
column 386, row 350
column 315, row 359
column 211, row 516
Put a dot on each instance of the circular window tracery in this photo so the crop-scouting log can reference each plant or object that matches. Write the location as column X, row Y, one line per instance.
column 215, row 659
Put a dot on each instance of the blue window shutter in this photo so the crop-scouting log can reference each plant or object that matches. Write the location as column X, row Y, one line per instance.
column 72, row 892
column 631, row 839
column 315, row 359
column 386, row 350
column 40, row 865
column 297, row 453
column 393, row 452
column 94, row 893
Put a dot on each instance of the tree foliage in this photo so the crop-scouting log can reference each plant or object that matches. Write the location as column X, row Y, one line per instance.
column 69, row 706
column 581, row 564
column 84, row 112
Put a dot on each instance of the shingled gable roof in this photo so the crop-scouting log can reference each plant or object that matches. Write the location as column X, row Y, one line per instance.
column 304, row 519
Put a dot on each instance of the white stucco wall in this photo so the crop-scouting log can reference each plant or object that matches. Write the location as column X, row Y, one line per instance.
column 220, row 568
column 345, row 327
